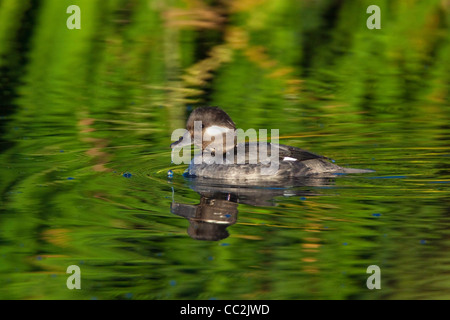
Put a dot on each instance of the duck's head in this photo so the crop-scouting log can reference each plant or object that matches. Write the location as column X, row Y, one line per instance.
column 211, row 121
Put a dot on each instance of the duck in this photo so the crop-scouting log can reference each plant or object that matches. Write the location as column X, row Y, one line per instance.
column 227, row 159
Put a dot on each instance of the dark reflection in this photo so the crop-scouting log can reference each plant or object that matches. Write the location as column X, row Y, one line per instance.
column 13, row 60
column 218, row 207
column 209, row 219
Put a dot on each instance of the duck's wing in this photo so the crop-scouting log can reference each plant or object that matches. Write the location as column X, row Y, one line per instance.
column 285, row 153
column 289, row 153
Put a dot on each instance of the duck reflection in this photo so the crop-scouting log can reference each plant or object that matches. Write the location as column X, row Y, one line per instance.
column 218, row 207
column 209, row 219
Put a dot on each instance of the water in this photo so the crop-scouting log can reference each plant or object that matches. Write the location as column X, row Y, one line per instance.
column 86, row 121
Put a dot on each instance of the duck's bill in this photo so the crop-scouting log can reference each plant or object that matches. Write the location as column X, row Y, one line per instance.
column 184, row 140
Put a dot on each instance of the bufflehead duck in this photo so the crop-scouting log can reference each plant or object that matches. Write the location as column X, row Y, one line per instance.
column 292, row 162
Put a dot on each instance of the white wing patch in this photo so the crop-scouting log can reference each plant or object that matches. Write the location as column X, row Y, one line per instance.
column 215, row 130
column 289, row 159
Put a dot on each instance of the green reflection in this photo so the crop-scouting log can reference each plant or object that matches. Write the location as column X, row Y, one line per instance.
column 79, row 108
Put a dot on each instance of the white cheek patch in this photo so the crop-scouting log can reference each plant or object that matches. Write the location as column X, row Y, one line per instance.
column 289, row 159
column 216, row 130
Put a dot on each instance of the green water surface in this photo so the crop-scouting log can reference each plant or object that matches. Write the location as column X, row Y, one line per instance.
column 85, row 125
